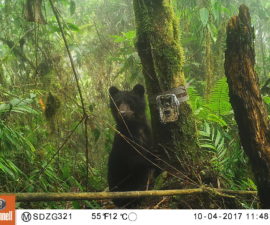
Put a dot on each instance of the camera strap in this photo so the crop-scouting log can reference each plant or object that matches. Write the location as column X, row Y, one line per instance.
column 180, row 93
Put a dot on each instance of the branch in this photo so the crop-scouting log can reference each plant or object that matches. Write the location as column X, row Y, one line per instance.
column 71, row 196
column 79, row 90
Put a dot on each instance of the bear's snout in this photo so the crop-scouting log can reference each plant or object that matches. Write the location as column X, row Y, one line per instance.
column 125, row 111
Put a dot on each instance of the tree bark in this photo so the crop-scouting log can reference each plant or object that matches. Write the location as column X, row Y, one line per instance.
column 208, row 67
column 246, row 100
column 208, row 55
column 162, row 60
column 33, row 11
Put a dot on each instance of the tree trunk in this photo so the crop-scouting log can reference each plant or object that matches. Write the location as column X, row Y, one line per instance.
column 208, row 67
column 162, row 61
column 246, row 100
column 33, row 11
column 208, row 55
column 262, row 45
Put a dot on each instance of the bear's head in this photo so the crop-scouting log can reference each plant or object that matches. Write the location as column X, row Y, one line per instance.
column 127, row 106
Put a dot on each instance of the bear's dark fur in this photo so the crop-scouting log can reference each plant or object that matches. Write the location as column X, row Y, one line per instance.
column 128, row 169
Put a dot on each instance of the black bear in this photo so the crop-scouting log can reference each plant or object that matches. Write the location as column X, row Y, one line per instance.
column 129, row 164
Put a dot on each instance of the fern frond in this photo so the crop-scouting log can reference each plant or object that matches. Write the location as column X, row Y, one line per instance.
column 219, row 98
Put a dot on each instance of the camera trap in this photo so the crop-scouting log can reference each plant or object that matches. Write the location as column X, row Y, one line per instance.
column 168, row 106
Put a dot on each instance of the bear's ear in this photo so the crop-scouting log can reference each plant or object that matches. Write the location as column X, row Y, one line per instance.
column 138, row 89
column 113, row 90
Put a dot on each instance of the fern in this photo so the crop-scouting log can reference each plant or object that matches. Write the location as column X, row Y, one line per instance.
column 228, row 158
column 217, row 108
column 196, row 101
column 211, row 111
column 212, row 140
column 219, row 103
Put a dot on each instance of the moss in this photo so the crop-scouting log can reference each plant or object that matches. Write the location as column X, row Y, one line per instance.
column 168, row 49
column 162, row 57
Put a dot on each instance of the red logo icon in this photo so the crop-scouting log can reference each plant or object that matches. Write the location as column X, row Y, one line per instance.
column 7, row 209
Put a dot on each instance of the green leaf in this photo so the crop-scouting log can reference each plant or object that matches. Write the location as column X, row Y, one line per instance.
column 203, row 133
column 266, row 99
column 213, row 31
column 32, row 95
column 118, row 39
column 130, row 34
column 6, row 170
column 208, row 146
column 5, row 107
column 18, row 101
column 216, row 118
column 207, row 128
column 28, row 143
column 11, row 137
column 12, row 166
column 216, row 10
column 204, row 15
column 217, row 139
column 251, row 184
column 73, row 27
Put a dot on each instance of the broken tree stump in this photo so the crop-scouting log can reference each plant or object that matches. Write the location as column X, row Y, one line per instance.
column 245, row 97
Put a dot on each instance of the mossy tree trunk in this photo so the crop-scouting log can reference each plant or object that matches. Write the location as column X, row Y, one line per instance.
column 208, row 53
column 250, row 112
column 162, row 61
